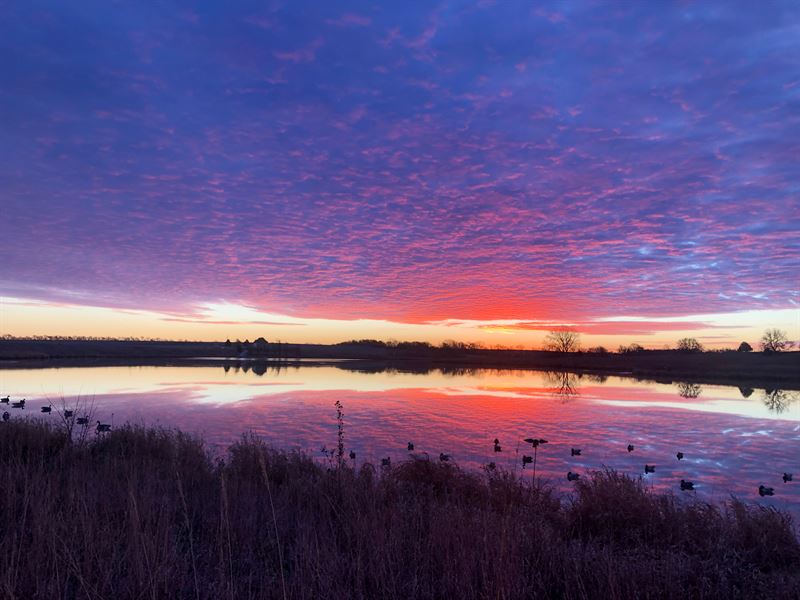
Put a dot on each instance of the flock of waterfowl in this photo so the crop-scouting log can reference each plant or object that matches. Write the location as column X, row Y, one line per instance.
column 535, row 443
column 68, row 415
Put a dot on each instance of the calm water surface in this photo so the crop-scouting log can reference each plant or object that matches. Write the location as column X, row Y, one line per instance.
column 733, row 439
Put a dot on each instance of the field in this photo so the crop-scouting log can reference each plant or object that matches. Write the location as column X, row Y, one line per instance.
column 755, row 369
column 149, row 513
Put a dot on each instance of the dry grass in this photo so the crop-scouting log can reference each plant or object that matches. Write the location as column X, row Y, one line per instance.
column 147, row 513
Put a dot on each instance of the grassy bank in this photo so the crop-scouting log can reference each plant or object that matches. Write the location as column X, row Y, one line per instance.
column 149, row 513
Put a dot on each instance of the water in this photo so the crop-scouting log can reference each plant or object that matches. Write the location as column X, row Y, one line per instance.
column 733, row 439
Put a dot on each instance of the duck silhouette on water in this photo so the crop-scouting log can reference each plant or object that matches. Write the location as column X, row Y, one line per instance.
column 679, row 455
column 6, row 416
column 687, row 486
column 526, row 460
column 5, row 399
column 574, row 451
column 765, row 491
column 630, row 447
column 573, row 476
column 444, row 457
column 497, row 447
column 649, row 469
column 787, row 477
column 535, row 442
column 410, row 446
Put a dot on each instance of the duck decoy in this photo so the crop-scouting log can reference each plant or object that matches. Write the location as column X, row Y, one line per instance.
column 444, row 457
column 20, row 404
column 5, row 399
column 68, row 414
column 386, row 462
column 573, row 476
column 575, row 451
column 410, row 447
column 526, row 460
column 497, row 447
column 352, row 455
column 787, row 477
column 649, row 469
column 47, row 409
column 6, row 416
column 630, row 447
column 765, row 491
column 82, row 420
column 103, row 427
column 534, row 441
column 679, row 455
column 687, row 485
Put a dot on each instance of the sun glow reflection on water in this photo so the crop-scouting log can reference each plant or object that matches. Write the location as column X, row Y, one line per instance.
column 733, row 439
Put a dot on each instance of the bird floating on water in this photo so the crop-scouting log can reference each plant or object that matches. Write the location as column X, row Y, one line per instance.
column 497, row 447
column 444, row 457
column 68, row 414
column 410, row 447
column 103, row 427
column 630, row 447
column 526, row 460
column 386, row 462
column 352, row 455
column 787, row 477
column 82, row 420
column 5, row 399
column 20, row 404
column 47, row 409
column 687, row 485
column 575, row 451
column 649, row 469
column 6, row 416
column 765, row 491
column 679, row 455
column 573, row 476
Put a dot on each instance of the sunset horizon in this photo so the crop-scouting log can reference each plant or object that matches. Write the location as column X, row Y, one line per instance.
column 480, row 173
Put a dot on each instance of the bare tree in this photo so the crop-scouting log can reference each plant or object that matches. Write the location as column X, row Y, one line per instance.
column 689, row 345
column 744, row 347
column 775, row 340
column 562, row 340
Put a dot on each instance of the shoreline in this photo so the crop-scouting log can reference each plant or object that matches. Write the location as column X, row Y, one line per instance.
column 757, row 370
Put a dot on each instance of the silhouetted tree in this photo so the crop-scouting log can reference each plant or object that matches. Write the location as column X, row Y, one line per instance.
column 775, row 340
column 598, row 350
column 689, row 390
column 746, row 392
column 744, row 347
column 633, row 348
column 562, row 340
column 689, row 345
column 778, row 400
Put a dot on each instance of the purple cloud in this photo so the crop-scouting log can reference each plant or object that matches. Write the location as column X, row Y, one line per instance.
column 472, row 162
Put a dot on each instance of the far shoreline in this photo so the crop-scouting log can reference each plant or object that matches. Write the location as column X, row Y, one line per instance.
column 753, row 369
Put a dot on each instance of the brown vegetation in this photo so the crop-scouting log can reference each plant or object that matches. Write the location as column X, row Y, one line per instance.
column 147, row 513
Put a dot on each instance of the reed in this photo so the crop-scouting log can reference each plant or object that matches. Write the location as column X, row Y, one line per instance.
column 152, row 513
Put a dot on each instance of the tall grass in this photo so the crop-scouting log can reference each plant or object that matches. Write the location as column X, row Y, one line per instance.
column 150, row 513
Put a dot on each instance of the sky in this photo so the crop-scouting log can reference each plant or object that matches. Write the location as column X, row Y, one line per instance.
column 321, row 171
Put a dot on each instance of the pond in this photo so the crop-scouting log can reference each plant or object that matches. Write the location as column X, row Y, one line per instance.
column 733, row 439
